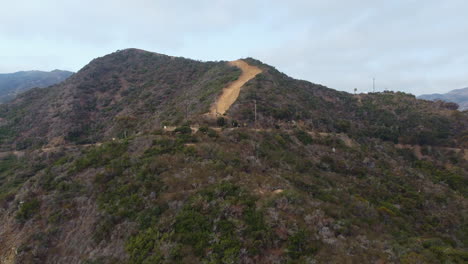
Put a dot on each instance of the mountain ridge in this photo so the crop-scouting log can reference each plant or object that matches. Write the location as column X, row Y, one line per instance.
column 121, row 164
column 458, row 96
column 99, row 86
column 13, row 83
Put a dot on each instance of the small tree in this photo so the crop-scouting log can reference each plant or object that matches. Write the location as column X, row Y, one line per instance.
column 125, row 124
column 221, row 121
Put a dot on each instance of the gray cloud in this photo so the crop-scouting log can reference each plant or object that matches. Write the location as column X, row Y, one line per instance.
column 405, row 45
column 408, row 45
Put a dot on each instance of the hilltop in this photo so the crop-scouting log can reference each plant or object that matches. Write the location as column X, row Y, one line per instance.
column 458, row 96
column 11, row 84
column 127, row 90
column 128, row 163
column 131, row 91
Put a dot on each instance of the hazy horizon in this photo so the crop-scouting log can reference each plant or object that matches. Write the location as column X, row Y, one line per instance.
column 407, row 46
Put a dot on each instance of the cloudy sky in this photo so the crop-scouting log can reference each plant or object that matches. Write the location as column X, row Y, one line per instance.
column 417, row 46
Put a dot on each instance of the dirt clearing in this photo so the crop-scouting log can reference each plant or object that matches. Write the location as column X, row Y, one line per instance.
column 231, row 92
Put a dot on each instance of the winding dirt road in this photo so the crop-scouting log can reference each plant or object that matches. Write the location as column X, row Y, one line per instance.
column 231, row 92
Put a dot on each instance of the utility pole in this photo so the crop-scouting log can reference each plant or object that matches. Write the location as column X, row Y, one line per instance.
column 186, row 105
column 256, row 133
column 255, row 113
column 373, row 85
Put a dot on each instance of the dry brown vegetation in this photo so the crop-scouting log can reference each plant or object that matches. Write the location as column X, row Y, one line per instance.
column 322, row 178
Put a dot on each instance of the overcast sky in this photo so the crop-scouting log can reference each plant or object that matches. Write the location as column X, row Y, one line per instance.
column 417, row 46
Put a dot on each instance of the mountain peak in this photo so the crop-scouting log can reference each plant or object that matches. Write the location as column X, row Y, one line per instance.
column 122, row 164
column 11, row 84
column 458, row 96
column 135, row 51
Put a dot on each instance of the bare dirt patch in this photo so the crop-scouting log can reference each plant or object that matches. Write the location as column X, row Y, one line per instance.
column 232, row 91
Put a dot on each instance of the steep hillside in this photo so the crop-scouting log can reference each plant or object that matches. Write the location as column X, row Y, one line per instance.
column 396, row 117
column 11, row 84
column 128, row 166
column 133, row 90
column 458, row 96
column 130, row 89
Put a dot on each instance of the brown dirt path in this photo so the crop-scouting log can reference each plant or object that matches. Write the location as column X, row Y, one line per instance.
column 231, row 92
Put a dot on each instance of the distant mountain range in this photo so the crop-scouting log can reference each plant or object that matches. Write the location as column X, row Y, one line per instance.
column 459, row 96
column 12, row 84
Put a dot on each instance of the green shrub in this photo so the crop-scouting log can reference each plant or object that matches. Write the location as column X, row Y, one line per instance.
column 203, row 224
column 101, row 155
column 166, row 145
column 193, row 228
column 104, row 227
column 342, row 126
column 299, row 245
column 212, row 133
column 304, row 137
column 27, row 210
column 61, row 161
column 150, row 216
column 183, row 130
column 203, row 129
column 8, row 163
column 221, row 121
column 142, row 248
